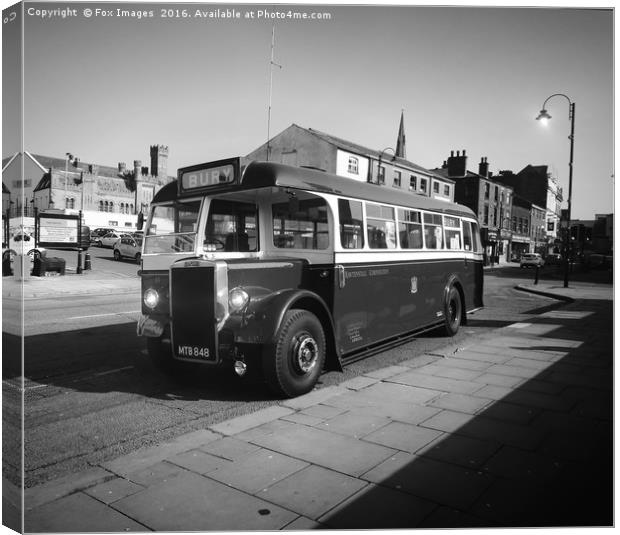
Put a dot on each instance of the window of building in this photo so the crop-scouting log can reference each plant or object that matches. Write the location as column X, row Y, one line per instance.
column 423, row 183
column 446, row 190
column 410, row 229
column 435, row 187
column 351, row 224
column 380, row 226
column 487, row 189
column 413, row 182
column 353, row 165
column 485, row 218
column 496, row 193
column 111, row 206
column 381, row 175
column 101, row 206
column 397, row 179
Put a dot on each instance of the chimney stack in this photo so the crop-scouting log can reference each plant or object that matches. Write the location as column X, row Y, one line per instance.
column 457, row 165
column 483, row 167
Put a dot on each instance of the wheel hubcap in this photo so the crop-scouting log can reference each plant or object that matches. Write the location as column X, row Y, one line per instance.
column 306, row 354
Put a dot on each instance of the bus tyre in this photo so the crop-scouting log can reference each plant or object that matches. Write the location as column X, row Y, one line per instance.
column 453, row 313
column 292, row 365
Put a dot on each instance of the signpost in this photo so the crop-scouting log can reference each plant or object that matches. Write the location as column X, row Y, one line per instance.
column 57, row 230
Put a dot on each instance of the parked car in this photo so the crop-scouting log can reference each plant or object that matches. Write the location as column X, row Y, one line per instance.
column 532, row 260
column 128, row 247
column 109, row 239
column 553, row 259
column 98, row 233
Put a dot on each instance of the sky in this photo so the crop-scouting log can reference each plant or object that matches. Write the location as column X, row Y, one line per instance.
column 105, row 88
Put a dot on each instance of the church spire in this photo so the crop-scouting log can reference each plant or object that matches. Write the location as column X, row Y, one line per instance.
column 400, row 142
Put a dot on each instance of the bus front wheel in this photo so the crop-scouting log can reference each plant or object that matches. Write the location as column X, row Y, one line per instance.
column 453, row 313
column 293, row 364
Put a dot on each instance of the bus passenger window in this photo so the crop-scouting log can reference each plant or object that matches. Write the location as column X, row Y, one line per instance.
column 452, row 226
column 432, row 231
column 350, row 222
column 467, row 238
column 380, row 226
column 306, row 228
column 409, row 229
column 476, row 234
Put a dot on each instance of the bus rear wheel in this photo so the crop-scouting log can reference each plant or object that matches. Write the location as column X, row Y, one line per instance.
column 453, row 312
column 292, row 365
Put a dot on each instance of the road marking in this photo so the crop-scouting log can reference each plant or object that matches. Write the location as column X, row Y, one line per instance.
column 102, row 315
column 15, row 384
column 114, row 371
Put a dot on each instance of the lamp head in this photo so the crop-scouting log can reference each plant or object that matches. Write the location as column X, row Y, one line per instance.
column 543, row 116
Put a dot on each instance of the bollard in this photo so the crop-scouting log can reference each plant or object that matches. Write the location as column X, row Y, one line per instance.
column 79, row 262
column 87, row 261
column 536, row 275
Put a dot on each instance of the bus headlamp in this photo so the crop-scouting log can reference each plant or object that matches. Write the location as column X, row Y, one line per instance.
column 151, row 298
column 238, row 299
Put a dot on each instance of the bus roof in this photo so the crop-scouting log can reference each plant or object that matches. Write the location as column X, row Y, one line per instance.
column 262, row 174
column 268, row 174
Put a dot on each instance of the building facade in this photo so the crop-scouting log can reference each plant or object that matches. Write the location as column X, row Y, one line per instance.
column 491, row 201
column 306, row 147
column 107, row 196
column 536, row 185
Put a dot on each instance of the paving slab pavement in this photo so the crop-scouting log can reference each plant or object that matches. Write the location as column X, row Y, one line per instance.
column 514, row 430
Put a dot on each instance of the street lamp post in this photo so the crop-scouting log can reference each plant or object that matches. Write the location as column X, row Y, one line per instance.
column 544, row 116
column 380, row 158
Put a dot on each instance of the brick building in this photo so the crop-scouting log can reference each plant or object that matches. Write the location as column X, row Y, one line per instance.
column 491, row 201
column 535, row 184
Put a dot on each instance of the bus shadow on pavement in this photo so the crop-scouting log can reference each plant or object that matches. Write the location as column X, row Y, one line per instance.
column 539, row 454
column 113, row 359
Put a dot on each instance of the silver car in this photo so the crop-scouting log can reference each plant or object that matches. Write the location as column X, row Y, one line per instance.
column 532, row 260
column 128, row 247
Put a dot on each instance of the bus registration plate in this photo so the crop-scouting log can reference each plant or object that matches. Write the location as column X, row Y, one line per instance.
column 194, row 352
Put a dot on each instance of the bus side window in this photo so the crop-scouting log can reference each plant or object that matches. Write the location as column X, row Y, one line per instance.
column 432, row 231
column 305, row 228
column 409, row 229
column 350, row 222
column 452, row 229
column 476, row 235
column 381, row 226
column 467, row 236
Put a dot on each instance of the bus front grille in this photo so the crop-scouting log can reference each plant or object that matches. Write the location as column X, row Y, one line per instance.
column 192, row 311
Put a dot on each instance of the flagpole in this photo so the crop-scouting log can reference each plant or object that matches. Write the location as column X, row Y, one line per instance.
column 271, row 64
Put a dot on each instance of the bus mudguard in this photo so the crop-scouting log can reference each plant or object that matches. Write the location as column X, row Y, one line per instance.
column 273, row 310
column 454, row 281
